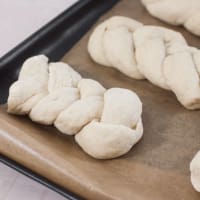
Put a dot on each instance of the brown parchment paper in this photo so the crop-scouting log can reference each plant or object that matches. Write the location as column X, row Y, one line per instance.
column 157, row 168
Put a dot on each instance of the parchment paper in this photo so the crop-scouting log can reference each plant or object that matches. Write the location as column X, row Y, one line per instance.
column 157, row 168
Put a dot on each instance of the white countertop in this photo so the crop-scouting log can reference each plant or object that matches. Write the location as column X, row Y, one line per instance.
column 15, row 186
column 20, row 18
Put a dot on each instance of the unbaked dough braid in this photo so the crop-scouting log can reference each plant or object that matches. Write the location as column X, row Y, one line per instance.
column 195, row 171
column 106, row 123
column 158, row 54
column 176, row 12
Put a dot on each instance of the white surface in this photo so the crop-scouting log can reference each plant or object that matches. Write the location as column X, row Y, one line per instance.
column 15, row 186
column 20, row 18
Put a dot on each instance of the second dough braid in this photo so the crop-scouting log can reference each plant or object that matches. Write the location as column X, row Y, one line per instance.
column 158, row 54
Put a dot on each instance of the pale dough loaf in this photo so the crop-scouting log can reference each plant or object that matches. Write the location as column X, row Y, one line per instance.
column 106, row 123
column 158, row 54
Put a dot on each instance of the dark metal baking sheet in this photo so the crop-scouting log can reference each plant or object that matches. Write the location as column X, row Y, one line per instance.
column 54, row 40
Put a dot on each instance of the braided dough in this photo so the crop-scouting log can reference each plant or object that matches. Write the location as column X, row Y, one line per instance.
column 158, row 54
column 176, row 12
column 106, row 123
column 195, row 171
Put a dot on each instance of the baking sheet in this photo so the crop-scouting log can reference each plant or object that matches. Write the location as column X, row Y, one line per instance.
column 156, row 168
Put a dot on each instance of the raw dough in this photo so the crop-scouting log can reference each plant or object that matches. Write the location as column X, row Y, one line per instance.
column 125, row 111
column 115, row 139
column 61, row 75
column 176, row 12
column 31, row 86
column 48, row 108
column 117, row 130
column 115, row 55
column 158, row 54
column 83, row 111
column 195, row 171
column 89, row 87
column 107, row 123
